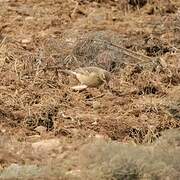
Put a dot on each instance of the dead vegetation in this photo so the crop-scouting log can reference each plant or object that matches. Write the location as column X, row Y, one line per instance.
column 138, row 43
column 96, row 159
column 110, row 160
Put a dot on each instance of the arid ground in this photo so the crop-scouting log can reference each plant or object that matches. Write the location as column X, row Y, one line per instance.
column 127, row 132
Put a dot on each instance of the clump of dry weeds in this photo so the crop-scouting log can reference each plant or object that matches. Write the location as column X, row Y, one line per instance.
column 138, row 106
column 111, row 160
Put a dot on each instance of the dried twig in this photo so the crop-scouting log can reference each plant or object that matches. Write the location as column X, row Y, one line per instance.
column 2, row 42
column 127, row 51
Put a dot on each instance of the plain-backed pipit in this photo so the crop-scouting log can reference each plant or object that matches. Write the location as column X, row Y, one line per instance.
column 89, row 77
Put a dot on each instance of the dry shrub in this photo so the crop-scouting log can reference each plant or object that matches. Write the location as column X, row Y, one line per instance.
column 111, row 160
column 100, row 159
column 139, row 3
column 171, row 74
column 95, row 49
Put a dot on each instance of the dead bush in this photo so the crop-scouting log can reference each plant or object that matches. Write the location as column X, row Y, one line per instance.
column 111, row 160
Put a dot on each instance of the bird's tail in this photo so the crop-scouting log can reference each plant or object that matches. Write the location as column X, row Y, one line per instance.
column 69, row 72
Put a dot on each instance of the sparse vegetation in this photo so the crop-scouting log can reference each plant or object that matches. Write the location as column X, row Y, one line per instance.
column 137, row 41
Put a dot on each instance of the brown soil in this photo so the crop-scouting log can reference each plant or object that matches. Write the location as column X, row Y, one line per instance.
column 145, row 96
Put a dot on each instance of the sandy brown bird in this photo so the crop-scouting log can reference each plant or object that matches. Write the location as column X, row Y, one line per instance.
column 89, row 77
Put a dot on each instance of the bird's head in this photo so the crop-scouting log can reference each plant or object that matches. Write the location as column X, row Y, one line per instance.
column 105, row 77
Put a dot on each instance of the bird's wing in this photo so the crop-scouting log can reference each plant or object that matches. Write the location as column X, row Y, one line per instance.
column 89, row 70
column 83, row 71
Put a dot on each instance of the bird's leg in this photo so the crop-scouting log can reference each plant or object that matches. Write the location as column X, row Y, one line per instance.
column 107, row 87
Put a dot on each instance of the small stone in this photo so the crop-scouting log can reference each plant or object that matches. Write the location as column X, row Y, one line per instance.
column 75, row 173
column 40, row 129
column 96, row 105
column 26, row 41
column 3, row 130
column 29, row 18
column 94, row 123
column 99, row 136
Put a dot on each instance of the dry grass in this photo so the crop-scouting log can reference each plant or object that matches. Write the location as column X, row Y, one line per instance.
column 96, row 159
column 139, row 45
column 32, row 95
column 111, row 160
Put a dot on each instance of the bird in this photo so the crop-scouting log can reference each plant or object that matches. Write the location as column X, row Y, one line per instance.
column 89, row 77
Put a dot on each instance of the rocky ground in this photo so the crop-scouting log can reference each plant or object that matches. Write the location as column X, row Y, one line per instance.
column 49, row 131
